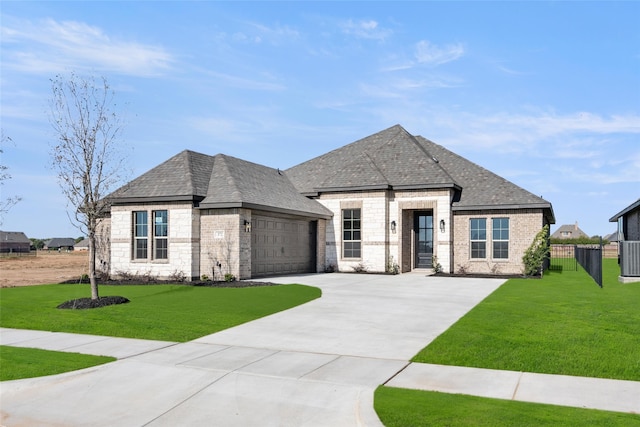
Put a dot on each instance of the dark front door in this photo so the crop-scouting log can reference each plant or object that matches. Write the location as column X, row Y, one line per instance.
column 423, row 228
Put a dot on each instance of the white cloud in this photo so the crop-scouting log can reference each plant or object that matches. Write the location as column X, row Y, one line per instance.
column 431, row 54
column 51, row 46
column 365, row 29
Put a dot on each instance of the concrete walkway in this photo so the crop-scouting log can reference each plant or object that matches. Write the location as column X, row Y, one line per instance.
column 315, row 365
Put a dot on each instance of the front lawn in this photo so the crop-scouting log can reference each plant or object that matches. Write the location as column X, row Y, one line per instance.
column 18, row 362
column 156, row 312
column 398, row 407
column 562, row 324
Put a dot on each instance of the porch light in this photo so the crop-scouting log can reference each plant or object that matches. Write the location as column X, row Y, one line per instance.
column 393, row 226
column 247, row 226
column 442, row 225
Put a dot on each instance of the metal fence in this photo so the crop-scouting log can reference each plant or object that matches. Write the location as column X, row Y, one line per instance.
column 590, row 258
column 630, row 258
column 562, row 257
column 567, row 257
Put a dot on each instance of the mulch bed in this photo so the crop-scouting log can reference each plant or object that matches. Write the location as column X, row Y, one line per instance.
column 84, row 303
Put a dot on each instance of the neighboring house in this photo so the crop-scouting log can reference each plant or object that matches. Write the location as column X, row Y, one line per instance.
column 569, row 232
column 82, row 245
column 60, row 244
column 14, row 241
column 612, row 238
column 629, row 240
column 390, row 201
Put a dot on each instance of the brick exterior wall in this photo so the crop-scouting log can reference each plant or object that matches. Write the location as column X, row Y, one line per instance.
column 524, row 224
column 382, row 247
column 225, row 246
column 183, row 242
column 214, row 242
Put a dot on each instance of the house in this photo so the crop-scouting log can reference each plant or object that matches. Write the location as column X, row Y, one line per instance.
column 569, row 232
column 82, row 245
column 389, row 202
column 14, row 242
column 612, row 238
column 628, row 221
column 60, row 244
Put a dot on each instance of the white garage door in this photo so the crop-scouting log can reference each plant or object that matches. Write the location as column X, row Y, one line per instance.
column 282, row 246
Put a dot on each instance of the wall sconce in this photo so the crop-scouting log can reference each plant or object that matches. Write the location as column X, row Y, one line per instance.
column 442, row 225
column 393, row 226
column 247, row 226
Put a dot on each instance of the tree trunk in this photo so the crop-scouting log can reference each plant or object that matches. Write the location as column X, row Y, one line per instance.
column 92, row 266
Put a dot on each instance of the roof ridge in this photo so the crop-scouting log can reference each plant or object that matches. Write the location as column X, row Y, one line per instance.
column 433, row 158
column 231, row 182
column 190, row 174
column 485, row 170
column 377, row 168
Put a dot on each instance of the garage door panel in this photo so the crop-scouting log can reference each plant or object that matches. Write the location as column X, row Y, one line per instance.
column 282, row 246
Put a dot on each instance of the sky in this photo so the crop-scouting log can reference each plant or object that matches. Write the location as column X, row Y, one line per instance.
column 544, row 94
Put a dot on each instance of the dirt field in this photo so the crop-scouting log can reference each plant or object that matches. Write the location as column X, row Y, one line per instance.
column 44, row 268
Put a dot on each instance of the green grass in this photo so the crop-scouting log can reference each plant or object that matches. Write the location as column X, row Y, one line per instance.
column 18, row 362
column 561, row 324
column 401, row 408
column 157, row 312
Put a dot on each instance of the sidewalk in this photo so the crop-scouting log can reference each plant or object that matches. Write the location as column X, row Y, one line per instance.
column 581, row 392
column 563, row 390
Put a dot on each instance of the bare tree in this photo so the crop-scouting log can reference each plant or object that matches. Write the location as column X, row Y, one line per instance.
column 86, row 157
column 5, row 204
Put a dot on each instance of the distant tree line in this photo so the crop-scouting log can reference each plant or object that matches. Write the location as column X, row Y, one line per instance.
column 593, row 240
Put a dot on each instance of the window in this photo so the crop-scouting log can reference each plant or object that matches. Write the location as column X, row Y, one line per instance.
column 351, row 237
column 160, row 234
column 478, row 238
column 501, row 238
column 140, row 233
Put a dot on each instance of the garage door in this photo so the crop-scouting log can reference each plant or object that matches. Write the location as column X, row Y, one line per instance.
column 282, row 246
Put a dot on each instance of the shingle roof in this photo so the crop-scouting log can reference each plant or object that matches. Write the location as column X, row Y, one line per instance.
column 14, row 237
column 481, row 188
column 218, row 182
column 572, row 229
column 625, row 211
column 184, row 176
column 390, row 158
column 395, row 159
column 239, row 183
column 61, row 242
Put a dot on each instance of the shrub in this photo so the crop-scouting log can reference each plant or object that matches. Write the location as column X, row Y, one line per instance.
column 392, row 266
column 178, row 276
column 229, row 277
column 535, row 254
column 360, row 268
column 437, row 267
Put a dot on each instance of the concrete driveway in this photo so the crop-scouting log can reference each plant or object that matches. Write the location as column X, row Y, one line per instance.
column 314, row 365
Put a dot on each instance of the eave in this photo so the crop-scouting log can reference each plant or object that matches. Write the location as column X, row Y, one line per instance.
column 265, row 208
